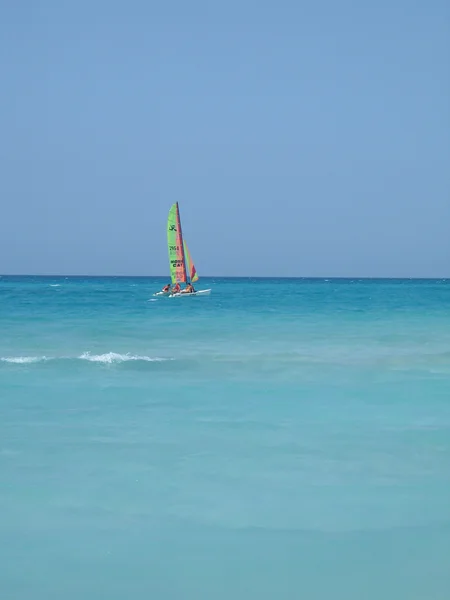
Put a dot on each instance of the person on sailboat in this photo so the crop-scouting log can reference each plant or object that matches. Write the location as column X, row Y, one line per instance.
column 189, row 289
column 176, row 288
column 166, row 288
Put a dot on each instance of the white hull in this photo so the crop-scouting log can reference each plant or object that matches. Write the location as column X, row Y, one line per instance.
column 198, row 293
column 162, row 294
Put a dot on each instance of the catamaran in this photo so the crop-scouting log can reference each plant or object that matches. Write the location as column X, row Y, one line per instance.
column 182, row 269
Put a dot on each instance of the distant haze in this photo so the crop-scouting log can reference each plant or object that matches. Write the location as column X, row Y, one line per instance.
column 301, row 139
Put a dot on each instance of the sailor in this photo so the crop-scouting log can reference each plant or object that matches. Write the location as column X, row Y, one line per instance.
column 189, row 289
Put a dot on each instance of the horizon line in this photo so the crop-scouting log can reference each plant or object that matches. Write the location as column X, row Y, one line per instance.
column 321, row 277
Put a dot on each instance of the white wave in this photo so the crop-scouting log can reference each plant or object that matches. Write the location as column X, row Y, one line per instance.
column 55, row 285
column 107, row 358
column 113, row 357
column 20, row 360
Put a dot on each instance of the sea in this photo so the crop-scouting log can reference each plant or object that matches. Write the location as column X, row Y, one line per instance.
column 280, row 439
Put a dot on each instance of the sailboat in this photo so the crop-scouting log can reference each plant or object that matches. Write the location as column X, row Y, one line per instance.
column 182, row 268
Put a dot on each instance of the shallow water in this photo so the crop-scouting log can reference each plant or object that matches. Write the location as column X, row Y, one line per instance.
column 278, row 439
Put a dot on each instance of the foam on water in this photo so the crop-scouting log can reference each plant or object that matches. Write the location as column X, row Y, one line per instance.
column 21, row 360
column 113, row 357
column 107, row 358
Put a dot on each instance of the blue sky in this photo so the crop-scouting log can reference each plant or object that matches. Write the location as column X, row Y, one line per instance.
column 300, row 138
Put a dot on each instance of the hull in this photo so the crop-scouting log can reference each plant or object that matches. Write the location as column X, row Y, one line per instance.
column 198, row 293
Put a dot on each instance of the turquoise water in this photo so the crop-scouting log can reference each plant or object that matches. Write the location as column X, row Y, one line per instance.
column 280, row 439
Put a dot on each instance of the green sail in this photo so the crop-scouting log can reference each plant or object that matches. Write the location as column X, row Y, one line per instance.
column 177, row 260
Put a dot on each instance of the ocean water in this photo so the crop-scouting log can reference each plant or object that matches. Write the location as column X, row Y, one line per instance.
column 279, row 439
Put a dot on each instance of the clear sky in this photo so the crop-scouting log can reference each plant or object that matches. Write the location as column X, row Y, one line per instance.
column 300, row 138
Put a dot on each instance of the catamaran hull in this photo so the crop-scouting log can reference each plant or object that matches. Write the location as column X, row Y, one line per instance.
column 162, row 294
column 199, row 293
